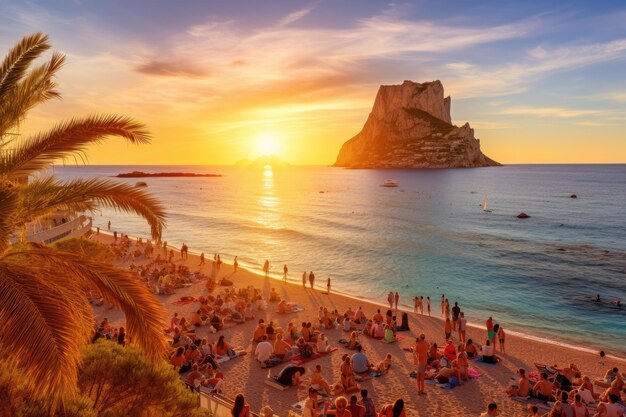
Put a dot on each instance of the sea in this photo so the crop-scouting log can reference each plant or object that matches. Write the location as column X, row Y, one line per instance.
column 429, row 236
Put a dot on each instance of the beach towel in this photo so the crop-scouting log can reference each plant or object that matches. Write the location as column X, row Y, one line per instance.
column 299, row 360
column 272, row 382
column 294, row 309
column 480, row 360
column 473, row 372
column 435, row 383
column 238, row 352
column 541, row 405
column 184, row 301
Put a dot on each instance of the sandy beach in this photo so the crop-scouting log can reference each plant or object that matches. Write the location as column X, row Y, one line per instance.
column 245, row 375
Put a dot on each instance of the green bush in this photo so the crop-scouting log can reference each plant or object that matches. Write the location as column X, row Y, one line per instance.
column 89, row 249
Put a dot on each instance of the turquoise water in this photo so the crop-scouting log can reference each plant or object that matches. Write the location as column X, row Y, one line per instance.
column 428, row 236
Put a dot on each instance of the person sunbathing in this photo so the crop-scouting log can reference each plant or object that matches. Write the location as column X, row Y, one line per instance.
column 259, row 332
column 450, row 350
column 348, row 324
column 353, row 343
column 347, row 376
column 367, row 330
column 197, row 320
column 378, row 331
column 193, row 354
column 463, row 364
column 283, row 350
column 290, row 375
column 384, row 366
column 317, row 380
column 470, row 349
column 522, row 387
column 217, row 322
column 212, row 376
column 612, row 390
column 389, row 336
column 223, row 349
column 359, row 316
column 274, row 295
column 487, row 353
column 543, row 388
column 322, row 344
column 195, row 377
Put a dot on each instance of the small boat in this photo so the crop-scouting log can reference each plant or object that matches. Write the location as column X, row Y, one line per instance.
column 141, row 184
column 486, row 206
column 389, row 183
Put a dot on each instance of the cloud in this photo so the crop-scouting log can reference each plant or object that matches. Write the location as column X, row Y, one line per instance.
column 295, row 16
column 550, row 112
column 175, row 69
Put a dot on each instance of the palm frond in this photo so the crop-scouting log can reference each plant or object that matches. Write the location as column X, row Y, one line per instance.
column 45, row 323
column 9, row 202
column 145, row 316
column 43, row 196
column 19, row 58
column 71, row 137
column 37, row 87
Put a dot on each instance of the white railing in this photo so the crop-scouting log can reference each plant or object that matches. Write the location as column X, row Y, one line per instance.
column 219, row 405
column 75, row 227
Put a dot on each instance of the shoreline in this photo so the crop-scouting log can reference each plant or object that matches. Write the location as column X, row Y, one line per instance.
column 244, row 375
column 566, row 343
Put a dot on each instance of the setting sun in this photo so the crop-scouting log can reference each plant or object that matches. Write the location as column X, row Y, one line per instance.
column 268, row 144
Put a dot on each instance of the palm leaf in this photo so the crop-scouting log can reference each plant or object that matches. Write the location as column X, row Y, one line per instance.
column 145, row 316
column 37, row 87
column 41, row 197
column 8, row 204
column 17, row 61
column 72, row 137
column 45, row 323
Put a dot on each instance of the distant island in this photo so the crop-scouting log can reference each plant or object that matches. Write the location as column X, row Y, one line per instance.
column 139, row 174
column 410, row 127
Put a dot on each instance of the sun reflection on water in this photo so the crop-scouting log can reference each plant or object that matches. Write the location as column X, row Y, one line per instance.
column 269, row 215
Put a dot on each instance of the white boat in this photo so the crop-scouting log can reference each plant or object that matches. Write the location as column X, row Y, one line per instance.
column 56, row 226
column 486, row 206
column 389, row 183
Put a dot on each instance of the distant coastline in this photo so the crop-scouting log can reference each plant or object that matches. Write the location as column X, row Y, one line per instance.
column 140, row 174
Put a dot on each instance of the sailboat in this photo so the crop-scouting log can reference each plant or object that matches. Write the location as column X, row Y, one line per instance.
column 486, row 206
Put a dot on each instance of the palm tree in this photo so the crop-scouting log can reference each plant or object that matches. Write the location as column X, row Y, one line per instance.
column 45, row 317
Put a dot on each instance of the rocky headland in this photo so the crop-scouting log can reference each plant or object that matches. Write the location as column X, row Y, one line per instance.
column 410, row 127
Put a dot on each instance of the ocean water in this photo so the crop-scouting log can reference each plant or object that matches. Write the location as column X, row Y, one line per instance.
column 428, row 236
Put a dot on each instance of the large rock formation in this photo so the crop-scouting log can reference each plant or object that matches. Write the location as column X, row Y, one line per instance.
column 410, row 127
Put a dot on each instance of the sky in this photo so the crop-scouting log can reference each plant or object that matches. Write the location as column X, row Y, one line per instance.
column 217, row 81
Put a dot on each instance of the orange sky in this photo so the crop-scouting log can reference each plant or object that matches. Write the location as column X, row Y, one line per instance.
column 219, row 84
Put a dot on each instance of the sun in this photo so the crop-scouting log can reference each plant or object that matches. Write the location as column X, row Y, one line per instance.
column 267, row 144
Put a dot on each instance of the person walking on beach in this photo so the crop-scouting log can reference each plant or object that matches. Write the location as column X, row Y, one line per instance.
column 311, row 279
column 428, row 304
column 420, row 354
column 219, row 263
column 396, row 297
column 201, row 259
column 328, row 286
column 285, row 271
column 109, row 225
column 390, row 299
column 235, row 264
column 416, row 302
column 447, row 309
column 304, row 279
column 421, row 305
column 266, row 268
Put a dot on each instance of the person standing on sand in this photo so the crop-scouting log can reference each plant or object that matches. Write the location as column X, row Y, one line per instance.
column 390, row 299
column 447, row 309
column 219, row 263
column 304, row 279
column 328, row 286
column 109, row 225
column 201, row 259
column 428, row 304
column 396, row 297
column 421, row 305
column 456, row 310
column 235, row 264
column 311, row 279
column 501, row 337
column 416, row 302
column 490, row 333
column 443, row 303
column 420, row 354
column 285, row 271
column 462, row 327
column 266, row 268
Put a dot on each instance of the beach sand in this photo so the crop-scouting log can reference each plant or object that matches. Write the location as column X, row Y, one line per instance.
column 244, row 374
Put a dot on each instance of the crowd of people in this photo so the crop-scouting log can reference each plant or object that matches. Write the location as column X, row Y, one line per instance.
column 445, row 359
